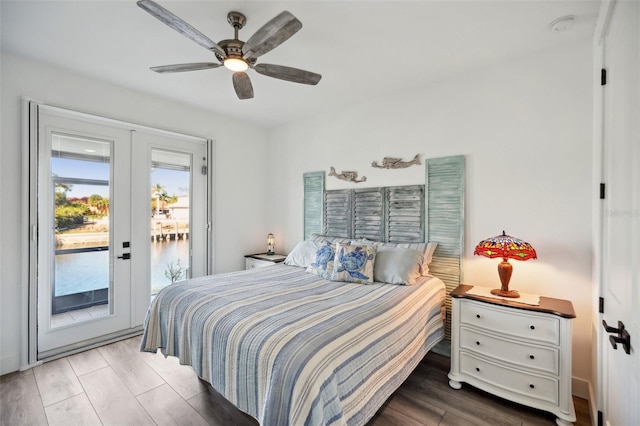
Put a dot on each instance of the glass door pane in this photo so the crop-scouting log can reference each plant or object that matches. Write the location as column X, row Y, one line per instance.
column 80, row 178
column 170, row 218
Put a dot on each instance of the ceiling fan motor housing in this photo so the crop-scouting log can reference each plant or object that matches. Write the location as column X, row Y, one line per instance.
column 233, row 47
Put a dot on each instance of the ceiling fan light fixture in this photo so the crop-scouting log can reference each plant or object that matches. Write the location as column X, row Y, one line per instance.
column 236, row 64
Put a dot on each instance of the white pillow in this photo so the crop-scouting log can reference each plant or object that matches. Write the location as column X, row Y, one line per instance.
column 397, row 265
column 303, row 254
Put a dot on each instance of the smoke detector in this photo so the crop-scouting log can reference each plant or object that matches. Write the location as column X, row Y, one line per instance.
column 562, row 24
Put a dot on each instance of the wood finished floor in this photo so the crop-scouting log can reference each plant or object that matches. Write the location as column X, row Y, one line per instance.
column 118, row 385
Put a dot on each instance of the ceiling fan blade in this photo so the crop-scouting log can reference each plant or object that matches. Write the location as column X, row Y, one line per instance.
column 289, row 74
column 271, row 35
column 185, row 67
column 180, row 26
column 242, row 84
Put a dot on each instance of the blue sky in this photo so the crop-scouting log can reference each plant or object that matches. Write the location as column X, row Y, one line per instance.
column 175, row 182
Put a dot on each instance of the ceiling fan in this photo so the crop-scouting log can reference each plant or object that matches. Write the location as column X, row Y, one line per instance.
column 235, row 54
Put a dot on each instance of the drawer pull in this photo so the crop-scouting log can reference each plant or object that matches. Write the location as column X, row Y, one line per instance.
column 531, row 385
column 532, row 357
column 533, row 327
column 477, row 343
column 478, row 316
column 478, row 369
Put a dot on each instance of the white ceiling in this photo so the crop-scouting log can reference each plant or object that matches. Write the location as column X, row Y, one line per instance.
column 363, row 49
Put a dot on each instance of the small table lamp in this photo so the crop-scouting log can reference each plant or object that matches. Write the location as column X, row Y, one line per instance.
column 270, row 244
column 506, row 247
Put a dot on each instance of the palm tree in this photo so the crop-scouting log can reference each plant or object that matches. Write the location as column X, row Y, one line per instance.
column 161, row 198
column 158, row 192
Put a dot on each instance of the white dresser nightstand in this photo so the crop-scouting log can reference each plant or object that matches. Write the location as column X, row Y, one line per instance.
column 261, row 260
column 516, row 351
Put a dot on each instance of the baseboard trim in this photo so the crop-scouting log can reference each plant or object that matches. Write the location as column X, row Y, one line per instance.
column 580, row 388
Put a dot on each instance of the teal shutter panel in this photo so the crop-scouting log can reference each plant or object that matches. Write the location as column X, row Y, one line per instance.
column 337, row 213
column 405, row 212
column 369, row 214
column 313, row 203
column 445, row 186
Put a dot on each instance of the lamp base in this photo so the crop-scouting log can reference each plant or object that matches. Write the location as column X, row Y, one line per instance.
column 504, row 271
column 505, row 293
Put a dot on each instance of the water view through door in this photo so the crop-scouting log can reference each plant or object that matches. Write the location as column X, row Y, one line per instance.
column 80, row 176
column 126, row 217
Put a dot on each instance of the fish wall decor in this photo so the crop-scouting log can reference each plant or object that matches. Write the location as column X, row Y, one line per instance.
column 349, row 176
column 396, row 163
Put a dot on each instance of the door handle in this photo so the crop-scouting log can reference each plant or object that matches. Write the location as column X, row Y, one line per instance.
column 125, row 256
column 622, row 337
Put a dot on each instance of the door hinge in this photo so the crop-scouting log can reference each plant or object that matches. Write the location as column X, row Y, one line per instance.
column 602, row 193
column 601, row 305
column 603, row 77
column 204, row 170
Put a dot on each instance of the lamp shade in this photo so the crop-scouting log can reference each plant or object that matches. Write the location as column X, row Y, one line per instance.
column 506, row 247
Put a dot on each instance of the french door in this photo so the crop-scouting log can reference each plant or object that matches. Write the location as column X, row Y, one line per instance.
column 121, row 213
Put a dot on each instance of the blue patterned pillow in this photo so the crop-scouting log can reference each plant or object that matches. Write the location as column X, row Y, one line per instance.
column 354, row 263
column 323, row 263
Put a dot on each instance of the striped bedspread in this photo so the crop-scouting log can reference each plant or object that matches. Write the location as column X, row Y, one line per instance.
column 290, row 348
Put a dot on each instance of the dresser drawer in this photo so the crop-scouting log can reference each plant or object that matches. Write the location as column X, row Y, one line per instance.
column 512, row 322
column 256, row 263
column 514, row 381
column 541, row 358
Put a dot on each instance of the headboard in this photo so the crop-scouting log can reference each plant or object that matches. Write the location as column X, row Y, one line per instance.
column 415, row 213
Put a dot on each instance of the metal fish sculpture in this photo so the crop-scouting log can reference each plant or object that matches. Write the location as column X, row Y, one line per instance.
column 349, row 176
column 396, row 163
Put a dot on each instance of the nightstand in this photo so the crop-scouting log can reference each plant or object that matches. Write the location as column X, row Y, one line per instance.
column 513, row 350
column 261, row 260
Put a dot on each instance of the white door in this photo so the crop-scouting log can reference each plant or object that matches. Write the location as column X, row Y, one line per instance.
column 84, row 280
column 620, row 268
column 100, row 259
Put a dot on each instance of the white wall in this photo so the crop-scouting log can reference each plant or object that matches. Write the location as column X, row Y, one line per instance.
column 525, row 129
column 524, row 126
column 240, row 225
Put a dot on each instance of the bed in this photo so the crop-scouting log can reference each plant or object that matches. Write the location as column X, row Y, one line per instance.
column 292, row 348
column 316, row 341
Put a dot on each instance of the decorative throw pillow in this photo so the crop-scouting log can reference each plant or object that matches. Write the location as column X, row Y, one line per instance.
column 397, row 265
column 427, row 250
column 303, row 254
column 354, row 263
column 323, row 262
